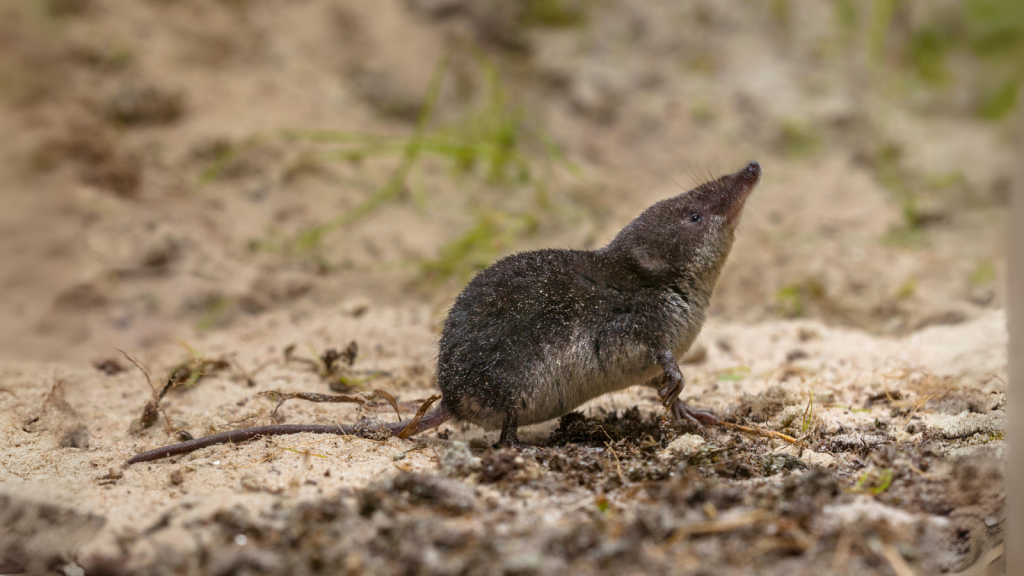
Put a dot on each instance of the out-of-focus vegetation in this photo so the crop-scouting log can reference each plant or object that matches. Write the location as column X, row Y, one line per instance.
column 947, row 58
column 495, row 143
column 925, row 38
column 883, row 123
column 554, row 12
column 997, row 37
column 478, row 247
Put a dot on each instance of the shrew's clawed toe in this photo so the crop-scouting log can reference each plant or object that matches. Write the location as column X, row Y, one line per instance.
column 684, row 413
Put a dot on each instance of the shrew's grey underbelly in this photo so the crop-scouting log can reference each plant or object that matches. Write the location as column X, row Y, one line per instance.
column 563, row 379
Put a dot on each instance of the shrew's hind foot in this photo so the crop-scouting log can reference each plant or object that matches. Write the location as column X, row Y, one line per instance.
column 684, row 413
column 515, row 445
column 510, row 433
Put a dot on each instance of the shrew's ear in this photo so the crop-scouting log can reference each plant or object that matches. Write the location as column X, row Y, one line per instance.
column 649, row 262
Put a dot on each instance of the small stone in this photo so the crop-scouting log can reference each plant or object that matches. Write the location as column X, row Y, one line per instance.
column 796, row 354
column 805, row 334
column 779, row 461
column 77, row 437
column 982, row 295
column 144, row 105
column 355, row 307
column 597, row 92
column 386, row 93
column 458, row 459
column 135, row 426
column 251, row 483
column 818, row 459
column 437, row 8
column 685, row 445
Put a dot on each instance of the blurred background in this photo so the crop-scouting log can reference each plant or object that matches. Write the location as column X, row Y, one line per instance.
column 172, row 167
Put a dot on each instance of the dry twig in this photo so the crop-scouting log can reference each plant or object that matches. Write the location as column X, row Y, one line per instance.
column 713, row 526
column 761, row 432
column 361, row 398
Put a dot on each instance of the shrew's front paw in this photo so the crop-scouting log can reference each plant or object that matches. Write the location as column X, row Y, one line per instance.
column 670, row 389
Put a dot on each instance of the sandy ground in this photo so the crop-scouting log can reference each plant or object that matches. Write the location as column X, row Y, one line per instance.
column 150, row 203
column 68, row 426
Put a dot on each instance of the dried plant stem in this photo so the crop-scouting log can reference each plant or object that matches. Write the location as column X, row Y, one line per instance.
column 761, row 432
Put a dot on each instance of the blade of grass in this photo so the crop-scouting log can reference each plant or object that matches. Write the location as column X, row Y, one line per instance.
column 313, row 236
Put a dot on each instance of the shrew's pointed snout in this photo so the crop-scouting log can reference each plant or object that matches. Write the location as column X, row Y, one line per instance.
column 734, row 194
column 753, row 170
column 749, row 175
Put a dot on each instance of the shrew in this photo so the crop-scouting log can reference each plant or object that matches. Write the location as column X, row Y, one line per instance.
column 539, row 333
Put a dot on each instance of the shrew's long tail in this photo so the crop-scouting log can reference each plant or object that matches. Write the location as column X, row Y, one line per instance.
column 404, row 429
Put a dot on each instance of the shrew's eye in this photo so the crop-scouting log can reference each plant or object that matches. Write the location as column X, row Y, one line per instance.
column 695, row 217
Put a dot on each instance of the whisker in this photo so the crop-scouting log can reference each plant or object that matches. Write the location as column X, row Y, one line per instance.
column 705, row 175
column 672, row 179
column 698, row 177
column 689, row 172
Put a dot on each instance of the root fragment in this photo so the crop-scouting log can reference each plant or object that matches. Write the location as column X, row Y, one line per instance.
column 761, row 432
column 361, row 398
